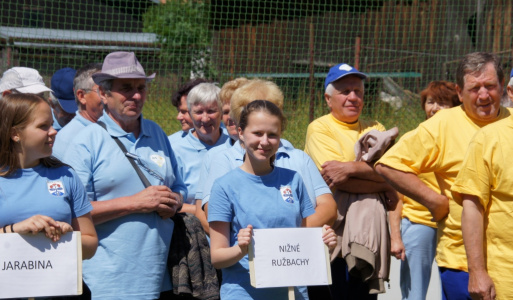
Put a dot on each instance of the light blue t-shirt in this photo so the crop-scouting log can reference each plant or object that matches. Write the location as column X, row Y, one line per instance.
column 53, row 192
column 177, row 136
column 287, row 157
column 189, row 152
column 68, row 133
column 276, row 200
column 130, row 262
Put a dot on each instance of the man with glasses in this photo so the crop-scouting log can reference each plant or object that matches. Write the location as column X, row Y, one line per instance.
column 132, row 218
column 90, row 107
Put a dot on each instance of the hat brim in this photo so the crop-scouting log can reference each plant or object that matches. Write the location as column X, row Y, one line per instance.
column 68, row 105
column 99, row 77
column 33, row 89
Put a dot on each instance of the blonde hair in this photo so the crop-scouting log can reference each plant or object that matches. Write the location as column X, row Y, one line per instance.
column 255, row 89
column 229, row 88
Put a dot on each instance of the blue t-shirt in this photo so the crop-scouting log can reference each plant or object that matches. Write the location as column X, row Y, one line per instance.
column 130, row 262
column 175, row 137
column 276, row 200
column 288, row 157
column 55, row 124
column 68, row 133
column 53, row 192
column 189, row 153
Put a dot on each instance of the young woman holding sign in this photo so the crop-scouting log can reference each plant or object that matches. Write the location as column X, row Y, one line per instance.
column 256, row 195
column 38, row 193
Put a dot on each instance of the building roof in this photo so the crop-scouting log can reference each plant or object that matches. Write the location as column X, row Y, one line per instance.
column 77, row 39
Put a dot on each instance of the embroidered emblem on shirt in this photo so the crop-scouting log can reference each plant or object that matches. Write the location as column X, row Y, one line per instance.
column 345, row 67
column 159, row 160
column 286, row 194
column 55, row 188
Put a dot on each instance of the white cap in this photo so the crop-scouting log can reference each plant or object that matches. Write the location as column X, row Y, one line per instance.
column 24, row 80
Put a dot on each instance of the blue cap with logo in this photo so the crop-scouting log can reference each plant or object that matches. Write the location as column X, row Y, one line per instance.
column 62, row 87
column 338, row 71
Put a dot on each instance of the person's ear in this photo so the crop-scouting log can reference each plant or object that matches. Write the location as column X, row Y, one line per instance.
column 328, row 100
column 81, row 96
column 15, row 136
column 458, row 90
column 103, row 95
column 241, row 137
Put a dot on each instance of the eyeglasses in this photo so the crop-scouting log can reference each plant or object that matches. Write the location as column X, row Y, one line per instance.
column 90, row 90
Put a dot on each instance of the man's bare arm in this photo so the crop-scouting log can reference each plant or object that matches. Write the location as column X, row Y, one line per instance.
column 480, row 285
column 325, row 212
column 336, row 172
column 410, row 185
column 396, row 241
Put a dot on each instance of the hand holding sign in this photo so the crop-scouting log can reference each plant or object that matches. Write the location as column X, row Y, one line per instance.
column 53, row 229
column 244, row 238
column 329, row 237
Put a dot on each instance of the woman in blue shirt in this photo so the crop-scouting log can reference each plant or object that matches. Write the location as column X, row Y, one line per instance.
column 255, row 195
column 38, row 193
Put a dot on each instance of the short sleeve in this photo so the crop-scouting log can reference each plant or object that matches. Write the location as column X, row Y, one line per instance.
column 475, row 176
column 220, row 207
column 320, row 144
column 416, row 152
column 219, row 166
column 305, row 204
column 80, row 203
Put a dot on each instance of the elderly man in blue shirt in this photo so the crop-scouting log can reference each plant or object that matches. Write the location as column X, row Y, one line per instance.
column 133, row 221
column 90, row 107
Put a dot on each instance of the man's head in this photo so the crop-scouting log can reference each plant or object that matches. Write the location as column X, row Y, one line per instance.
column 62, row 98
column 479, row 79
column 344, row 91
column 179, row 100
column 122, row 84
column 22, row 80
column 87, row 97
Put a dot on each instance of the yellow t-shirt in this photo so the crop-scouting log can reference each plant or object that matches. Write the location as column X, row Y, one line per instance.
column 488, row 174
column 416, row 212
column 438, row 145
column 330, row 139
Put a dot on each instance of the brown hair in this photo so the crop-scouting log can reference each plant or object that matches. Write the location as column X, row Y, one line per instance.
column 184, row 90
column 16, row 112
column 439, row 91
column 475, row 63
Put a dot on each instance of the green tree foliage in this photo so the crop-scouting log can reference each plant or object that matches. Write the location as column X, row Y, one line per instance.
column 182, row 28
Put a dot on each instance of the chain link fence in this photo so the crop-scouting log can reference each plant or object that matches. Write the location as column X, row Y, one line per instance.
column 402, row 45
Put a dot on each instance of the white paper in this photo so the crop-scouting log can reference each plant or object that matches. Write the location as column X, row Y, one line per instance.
column 34, row 266
column 286, row 257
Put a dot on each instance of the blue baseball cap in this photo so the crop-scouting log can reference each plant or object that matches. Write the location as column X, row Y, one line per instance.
column 62, row 89
column 338, row 71
column 511, row 74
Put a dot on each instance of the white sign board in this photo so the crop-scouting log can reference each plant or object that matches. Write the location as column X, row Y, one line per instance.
column 35, row 266
column 285, row 257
